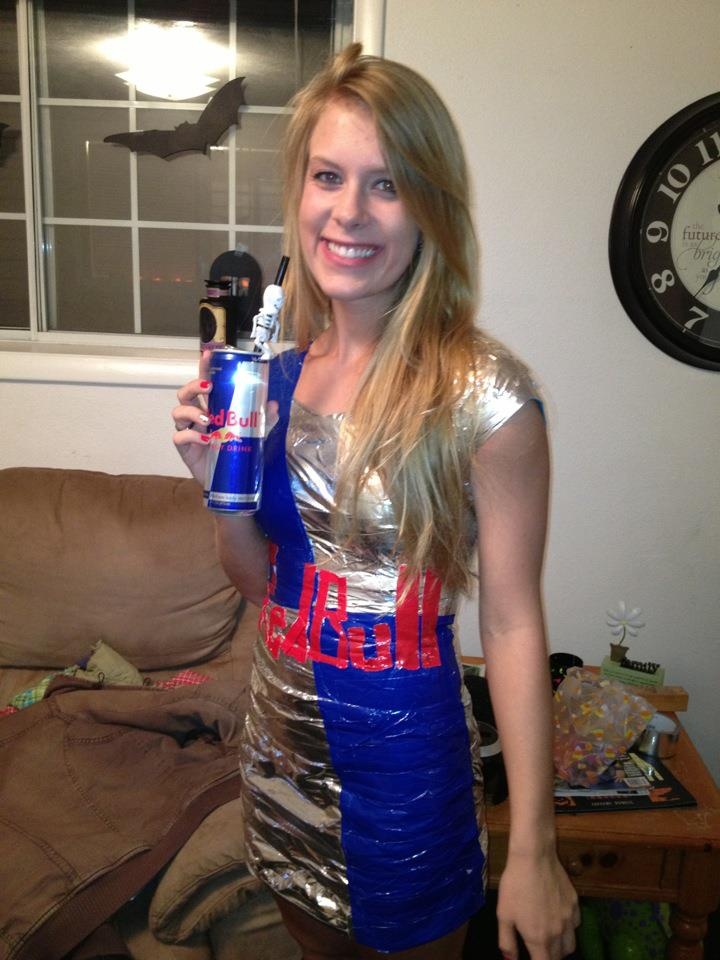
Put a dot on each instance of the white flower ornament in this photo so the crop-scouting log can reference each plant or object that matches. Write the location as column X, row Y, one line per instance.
column 624, row 623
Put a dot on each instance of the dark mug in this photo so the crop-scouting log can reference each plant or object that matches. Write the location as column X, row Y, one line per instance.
column 560, row 663
column 494, row 779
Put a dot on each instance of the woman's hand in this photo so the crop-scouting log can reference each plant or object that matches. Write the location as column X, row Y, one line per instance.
column 537, row 900
column 191, row 420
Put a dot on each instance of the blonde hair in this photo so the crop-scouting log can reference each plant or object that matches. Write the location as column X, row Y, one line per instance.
column 402, row 419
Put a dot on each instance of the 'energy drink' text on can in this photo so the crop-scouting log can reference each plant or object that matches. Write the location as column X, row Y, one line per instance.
column 236, row 407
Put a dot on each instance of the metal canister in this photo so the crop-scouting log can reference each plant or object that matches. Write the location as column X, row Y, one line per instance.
column 213, row 316
column 237, row 408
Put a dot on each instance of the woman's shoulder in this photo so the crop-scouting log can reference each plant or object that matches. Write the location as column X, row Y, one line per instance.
column 284, row 372
column 496, row 366
column 498, row 385
column 287, row 362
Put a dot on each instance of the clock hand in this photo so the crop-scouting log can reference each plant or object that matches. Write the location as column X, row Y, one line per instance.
column 711, row 279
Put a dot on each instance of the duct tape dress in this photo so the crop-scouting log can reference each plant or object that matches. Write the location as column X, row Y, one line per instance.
column 362, row 781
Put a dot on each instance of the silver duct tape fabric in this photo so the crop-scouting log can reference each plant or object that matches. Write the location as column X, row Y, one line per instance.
column 363, row 799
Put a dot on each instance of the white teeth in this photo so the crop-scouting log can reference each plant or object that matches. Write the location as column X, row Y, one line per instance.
column 351, row 253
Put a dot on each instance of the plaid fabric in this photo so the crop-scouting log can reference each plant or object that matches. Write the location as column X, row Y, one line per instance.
column 26, row 698
column 183, row 679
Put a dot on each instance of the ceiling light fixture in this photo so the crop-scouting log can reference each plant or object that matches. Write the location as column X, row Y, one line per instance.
column 170, row 62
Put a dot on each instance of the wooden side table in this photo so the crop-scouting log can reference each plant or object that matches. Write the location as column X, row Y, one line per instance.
column 670, row 855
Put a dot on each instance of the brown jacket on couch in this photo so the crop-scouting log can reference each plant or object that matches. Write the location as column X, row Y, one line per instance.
column 130, row 560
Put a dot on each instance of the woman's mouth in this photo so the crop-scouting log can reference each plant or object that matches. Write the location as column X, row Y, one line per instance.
column 351, row 251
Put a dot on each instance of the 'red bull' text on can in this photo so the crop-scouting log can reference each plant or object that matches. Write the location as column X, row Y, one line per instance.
column 236, row 407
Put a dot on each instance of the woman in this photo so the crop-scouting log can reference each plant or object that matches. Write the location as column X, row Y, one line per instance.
column 401, row 433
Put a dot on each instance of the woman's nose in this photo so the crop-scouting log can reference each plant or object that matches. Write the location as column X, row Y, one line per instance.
column 350, row 207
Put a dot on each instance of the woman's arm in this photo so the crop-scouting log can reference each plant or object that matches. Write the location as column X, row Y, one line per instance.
column 243, row 552
column 510, row 484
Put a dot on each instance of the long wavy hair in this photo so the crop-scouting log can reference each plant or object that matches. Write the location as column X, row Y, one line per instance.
column 402, row 418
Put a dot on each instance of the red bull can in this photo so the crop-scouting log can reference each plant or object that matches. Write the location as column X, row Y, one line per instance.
column 236, row 407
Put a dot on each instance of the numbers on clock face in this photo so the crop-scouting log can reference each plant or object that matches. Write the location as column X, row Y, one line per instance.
column 680, row 237
column 664, row 241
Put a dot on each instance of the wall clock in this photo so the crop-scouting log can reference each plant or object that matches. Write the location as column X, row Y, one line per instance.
column 665, row 236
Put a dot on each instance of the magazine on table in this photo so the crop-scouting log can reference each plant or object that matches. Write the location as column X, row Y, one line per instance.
column 632, row 782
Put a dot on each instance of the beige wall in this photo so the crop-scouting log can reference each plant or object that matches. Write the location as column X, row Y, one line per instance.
column 553, row 98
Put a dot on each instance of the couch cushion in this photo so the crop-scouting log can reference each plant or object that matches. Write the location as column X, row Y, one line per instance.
column 207, row 880
column 254, row 932
column 132, row 922
column 128, row 559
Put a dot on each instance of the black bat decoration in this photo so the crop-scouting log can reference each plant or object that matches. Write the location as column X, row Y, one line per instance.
column 220, row 113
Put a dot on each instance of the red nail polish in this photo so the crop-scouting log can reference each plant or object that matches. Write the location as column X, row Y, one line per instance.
column 205, row 438
column 204, row 384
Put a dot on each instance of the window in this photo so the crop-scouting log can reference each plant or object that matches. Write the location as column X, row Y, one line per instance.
column 97, row 239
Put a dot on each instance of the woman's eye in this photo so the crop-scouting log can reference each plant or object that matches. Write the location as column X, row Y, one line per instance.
column 386, row 186
column 326, row 176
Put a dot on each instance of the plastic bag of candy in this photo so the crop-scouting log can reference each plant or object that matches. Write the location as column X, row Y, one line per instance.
column 596, row 719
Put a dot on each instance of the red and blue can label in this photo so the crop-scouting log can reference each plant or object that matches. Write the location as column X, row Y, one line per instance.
column 236, row 407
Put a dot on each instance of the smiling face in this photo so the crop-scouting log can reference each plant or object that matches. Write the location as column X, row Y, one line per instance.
column 356, row 235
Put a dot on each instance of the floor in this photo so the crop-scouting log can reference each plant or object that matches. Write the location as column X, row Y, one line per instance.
column 481, row 943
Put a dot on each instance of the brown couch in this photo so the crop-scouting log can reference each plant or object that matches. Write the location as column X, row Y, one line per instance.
column 130, row 560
